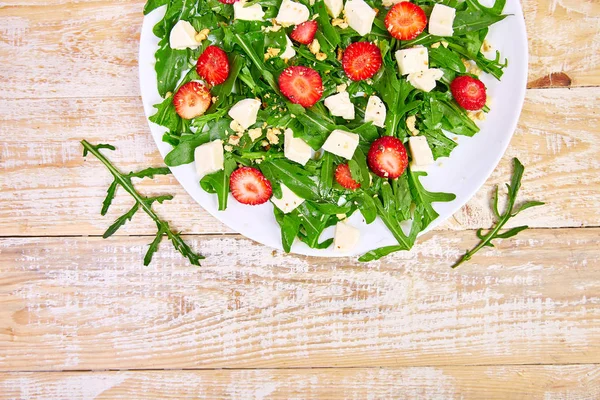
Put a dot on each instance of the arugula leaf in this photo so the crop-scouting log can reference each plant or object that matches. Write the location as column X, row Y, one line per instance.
column 141, row 202
column 218, row 182
column 183, row 153
column 511, row 211
column 424, row 198
column 152, row 5
column 290, row 227
column 291, row 175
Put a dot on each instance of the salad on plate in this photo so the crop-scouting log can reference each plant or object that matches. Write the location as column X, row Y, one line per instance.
column 323, row 108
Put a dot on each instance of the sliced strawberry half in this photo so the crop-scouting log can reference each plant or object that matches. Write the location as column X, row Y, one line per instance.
column 387, row 157
column 191, row 100
column 361, row 60
column 302, row 85
column 405, row 21
column 249, row 186
column 344, row 177
column 213, row 65
column 305, row 32
column 468, row 92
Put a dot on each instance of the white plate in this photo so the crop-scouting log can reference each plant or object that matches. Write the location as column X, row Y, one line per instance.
column 463, row 173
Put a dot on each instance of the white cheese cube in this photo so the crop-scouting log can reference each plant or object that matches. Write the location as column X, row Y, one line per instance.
column 340, row 105
column 289, row 200
column 360, row 16
column 425, row 80
column 415, row 59
column 346, row 237
column 244, row 112
column 292, row 13
column 183, row 36
column 341, row 143
column 295, row 149
column 289, row 49
column 209, row 157
column 420, row 152
column 375, row 111
column 250, row 13
column 441, row 20
column 334, row 7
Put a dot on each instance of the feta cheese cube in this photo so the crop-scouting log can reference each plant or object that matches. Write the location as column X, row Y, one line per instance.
column 183, row 36
column 292, row 13
column 375, row 111
column 346, row 237
column 289, row 200
column 334, row 7
column 415, row 59
column 341, row 143
column 420, row 152
column 245, row 111
column 209, row 157
column 289, row 49
column 441, row 20
column 295, row 149
column 250, row 13
column 340, row 105
column 360, row 16
column 425, row 80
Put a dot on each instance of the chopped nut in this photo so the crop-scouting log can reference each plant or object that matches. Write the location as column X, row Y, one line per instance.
column 342, row 23
column 236, row 127
column 264, row 143
column 273, row 135
column 471, row 67
column 274, row 28
column 387, row 3
column 411, row 121
column 168, row 94
column 228, row 148
column 476, row 115
column 488, row 101
column 341, row 216
column 340, row 54
column 321, row 56
column 376, row 10
column 202, row 35
column 314, row 47
column 486, row 46
column 255, row 133
column 341, row 88
column 234, row 140
column 444, row 43
column 272, row 52
column 436, row 45
column 214, row 99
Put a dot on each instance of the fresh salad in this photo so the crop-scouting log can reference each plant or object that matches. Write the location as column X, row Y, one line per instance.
column 323, row 107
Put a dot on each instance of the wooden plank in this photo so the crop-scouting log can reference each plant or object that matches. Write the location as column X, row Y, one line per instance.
column 94, row 54
column 491, row 382
column 47, row 188
column 86, row 303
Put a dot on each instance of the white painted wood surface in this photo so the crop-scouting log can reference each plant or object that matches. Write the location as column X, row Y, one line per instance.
column 520, row 321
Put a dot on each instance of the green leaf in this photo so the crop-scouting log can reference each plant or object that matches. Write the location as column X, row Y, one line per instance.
column 380, row 252
column 326, row 174
column 110, row 195
column 292, row 176
column 183, row 153
column 166, row 115
column 526, row 205
column 153, row 248
column 150, row 172
column 218, row 182
column 367, row 207
column 290, row 226
column 511, row 232
column 119, row 222
column 425, row 198
column 468, row 21
column 152, row 5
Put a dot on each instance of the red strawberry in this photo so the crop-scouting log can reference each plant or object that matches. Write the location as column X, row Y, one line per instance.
column 213, row 65
column 387, row 157
column 361, row 60
column 228, row 1
column 344, row 177
column 191, row 100
column 302, row 85
column 249, row 186
column 405, row 21
column 305, row 32
column 468, row 92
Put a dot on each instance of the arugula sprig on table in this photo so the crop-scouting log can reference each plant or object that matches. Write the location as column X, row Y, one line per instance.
column 141, row 202
column 511, row 211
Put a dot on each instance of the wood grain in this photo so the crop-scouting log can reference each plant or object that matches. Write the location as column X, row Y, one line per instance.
column 87, row 303
column 567, row 382
column 95, row 53
column 47, row 188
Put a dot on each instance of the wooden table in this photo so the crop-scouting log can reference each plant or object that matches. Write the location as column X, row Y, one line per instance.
column 81, row 318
